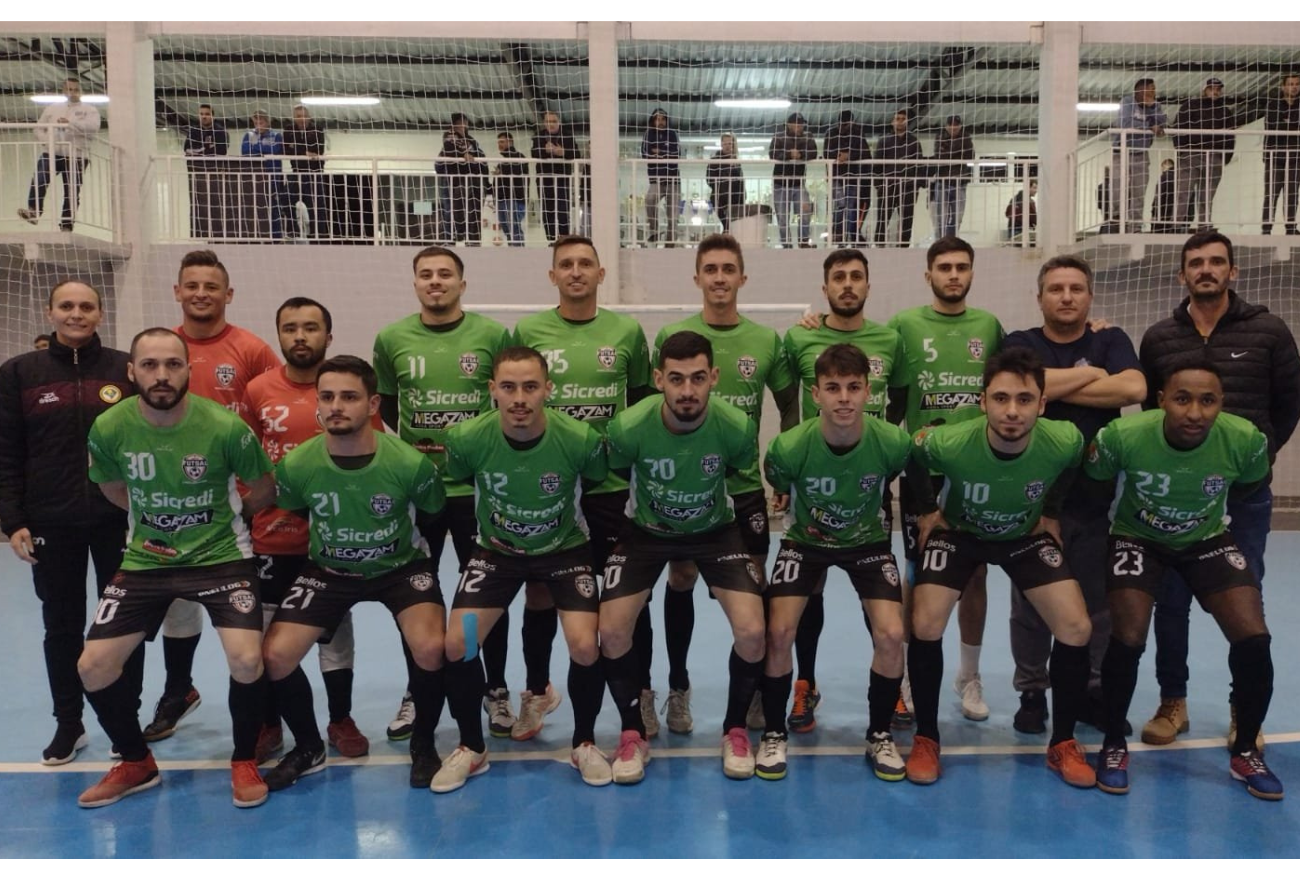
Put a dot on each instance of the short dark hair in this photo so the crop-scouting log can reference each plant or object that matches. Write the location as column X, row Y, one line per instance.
column 948, row 244
column 844, row 254
column 205, row 106
column 304, row 302
column 507, row 135
column 684, row 346
column 1198, row 360
column 1065, row 261
column 1144, row 83
column 349, row 364
column 566, row 240
column 43, row 337
column 204, row 258
column 1202, row 239
column 158, row 331
column 905, row 111
column 842, row 359
column 437, row 250
column 520, row 354
column 99, row 297
column 720, row 241
column 1017, row 360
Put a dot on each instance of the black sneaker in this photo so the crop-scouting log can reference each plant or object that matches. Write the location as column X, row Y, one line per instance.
column 294, row 765
column 425, row 763
column 69, row 738
column 1095, row 713
column 170, row 711
column 1031, row 718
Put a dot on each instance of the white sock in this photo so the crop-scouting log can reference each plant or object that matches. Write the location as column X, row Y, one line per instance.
column 970, row 662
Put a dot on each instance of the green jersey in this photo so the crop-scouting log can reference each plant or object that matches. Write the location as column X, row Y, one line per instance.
column 184, row 507
column 748, row 356
column 835, row 498
column 1170, row 496
column 882, row 345
column 991, row 497
column 943, row 363
column 679, row 484
column 527, row 499
column 439, row 376
column 362, row 521
column 592, row 364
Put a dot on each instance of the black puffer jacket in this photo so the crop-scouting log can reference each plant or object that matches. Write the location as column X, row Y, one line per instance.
column 48, row 400
column 1255, row 352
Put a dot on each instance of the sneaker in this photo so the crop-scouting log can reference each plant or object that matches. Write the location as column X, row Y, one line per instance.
column 884, row 758
column 425, row 763
column 69, row 738
column 169, row 712
column 737, row 754
column 754, row 718
column 903, row 717
column 802, row 718
column 270, row 740
column 1250, row 768
column 1069, row 761
column 345, row 738
column 678, row 709
column 1095, row 713
column 124, row 779
column 631, row 757
column 1112, row 769
column 771, row 762
column 973, row 706
column 32, row 217
column 923, row 763
column 294, row 765
column 532, row 708
column 248, row 789
column 1031, row 716
column 462, row 765
column 404, row 723
column 1232, row 732
column 649, row 717
column 501, row 717
column 1170, row 719
column 592, row 764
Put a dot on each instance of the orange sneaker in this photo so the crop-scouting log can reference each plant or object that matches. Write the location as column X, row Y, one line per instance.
column 1069, row 761
column 923, row 762
column 124, row 779
column 246, row 782
column 802, row 718
column 270, row 741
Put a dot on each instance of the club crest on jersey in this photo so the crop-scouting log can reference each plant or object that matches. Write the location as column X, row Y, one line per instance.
column 469, row 363
column 243, row 600
column 890, row 570
column 877, row 365
column 550, row 482
column 225, row 374
column 1050, row 555
column 753, row 572
column 976, row 348
column 747, row 366
column 868, row 482
column 382, row 504
column 194, row 466
column 757, row 522
column 1034, row 490
column 585, row 584
column 421, row 582
column 110, row 394
column 710, row 464
column 606, row 357
column 1213, row 485
column 1237, row 560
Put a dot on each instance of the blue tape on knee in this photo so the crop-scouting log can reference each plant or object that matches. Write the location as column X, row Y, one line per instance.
column 470, row 623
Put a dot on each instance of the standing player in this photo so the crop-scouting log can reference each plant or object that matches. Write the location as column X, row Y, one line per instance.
column 362, row 490
column 528, row 466
column 171, row 460
column 1004, row 476
column 433, row 369
column 224, row 358
column 678, row 450
column 599, row 365
column 1178, row 466
column 835, row 468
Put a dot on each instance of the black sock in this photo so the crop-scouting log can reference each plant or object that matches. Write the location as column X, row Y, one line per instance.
column 882, row 696
column 538, row 636
column 495, row 645
column 178, row 657
column 679, row 628
column 587, row 691
column 624, row 688
column 409, row 657
column 776, row 696
column 925, row 665
column 133, row 672
column 1068, row 673
column 1251, row 663
column 428, row 694
column 464, row 684
column 338, row 693
column 246, row 702
column 116, row 708
column 643, row 647
column 298, row 708
column 1119, row 677
column 744, row 680
column 806, row 638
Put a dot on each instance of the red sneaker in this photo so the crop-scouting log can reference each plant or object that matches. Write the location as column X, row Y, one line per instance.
column 124, row 779
column 246, row 782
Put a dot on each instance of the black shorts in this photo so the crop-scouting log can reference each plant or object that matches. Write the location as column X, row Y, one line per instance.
column 458, row 518
column 276, row 574
column 951, row 557
column 606, row 516
column 751, row 516
column 639, row 558
column 137, row 601
column 907, row 509
column 1207, row 567
column 491, row 580
column 322, row 598
column 799, row 569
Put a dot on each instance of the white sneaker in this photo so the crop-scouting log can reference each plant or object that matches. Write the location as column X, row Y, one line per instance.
column 631, row 757
column 29, row 215
column 754, row 718
column 884, row 758
column 404, row 723
column 771, row 761
column 531, row 711
column 678, row 709
column 462, row 764
column 649, row 716
column 737, row 754
column 972, row 698
column 592, row 763
column 501, row 717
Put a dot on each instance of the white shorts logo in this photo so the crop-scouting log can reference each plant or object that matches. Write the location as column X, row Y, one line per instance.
column 421, row 582
column 1237, row 560
column 243, row 600
column 585, row 584
column 1050, row 555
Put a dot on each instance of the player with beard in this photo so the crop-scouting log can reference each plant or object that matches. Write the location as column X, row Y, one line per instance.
column 170, row 459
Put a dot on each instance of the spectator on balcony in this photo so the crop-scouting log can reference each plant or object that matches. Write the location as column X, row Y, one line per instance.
column 1022, row 214
column 791, row 151
column 553, row 143
column 307, row 184
column 511, row 190
column 64, row 132
column 847, row 148
column 897, row 181
column 1201, row 157
column 1162, row 206
column 463, row 177
column 661, row 142
column 204, row 143
column 1282, row 153
column 948, row 187
column 264, row 181
column 1144, row 120
column 726, row 181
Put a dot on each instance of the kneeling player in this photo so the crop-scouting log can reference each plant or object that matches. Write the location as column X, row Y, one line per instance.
column 360, row 490
column 834, row 469
column 1178, row 464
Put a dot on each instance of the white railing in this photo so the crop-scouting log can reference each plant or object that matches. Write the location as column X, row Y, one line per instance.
column 29, row 161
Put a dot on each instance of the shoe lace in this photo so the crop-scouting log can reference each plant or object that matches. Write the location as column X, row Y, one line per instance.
column 883, row 744
column 801, row 701
column 1168, row 709
column 628, row 746
column 676, row 703
column 973, row 690
column 739, row 741
column 770, row 746
column 245, row 773
column 1254, row 763
column 1114, row 758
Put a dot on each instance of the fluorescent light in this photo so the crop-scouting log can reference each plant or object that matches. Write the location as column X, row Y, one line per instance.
column 752, row 103
column 341, row 101
column 1085, row 107
column 62, row 99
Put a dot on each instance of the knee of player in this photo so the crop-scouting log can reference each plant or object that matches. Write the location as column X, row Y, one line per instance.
column 614, row 641
column 926, row 627
column 454, row 644
column 583, row 648
column 428, row 652
column 682, row 576
column 888, row 635
column 279, row 661
column 95, row 671
column 1076, row 631
column 751, row 637
column 780, row 635
column 245, row 663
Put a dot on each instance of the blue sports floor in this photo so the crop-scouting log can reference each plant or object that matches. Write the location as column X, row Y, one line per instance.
column 995, row 799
